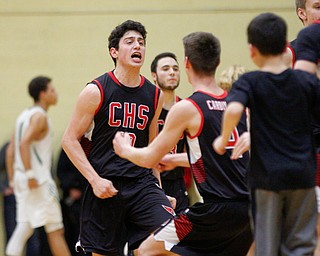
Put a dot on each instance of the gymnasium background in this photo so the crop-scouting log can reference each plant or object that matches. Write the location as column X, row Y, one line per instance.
column 67, row 41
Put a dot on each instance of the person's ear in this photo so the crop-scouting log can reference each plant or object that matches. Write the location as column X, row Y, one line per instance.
column 187, row 63
column 302, row 14
column 252, row 50
column 154, row 76
column 113, row 52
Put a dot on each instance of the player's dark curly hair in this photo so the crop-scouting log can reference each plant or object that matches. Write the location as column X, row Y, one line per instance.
column 268, row 33
column 121, row 29
column 203, row 51
column 38, row 85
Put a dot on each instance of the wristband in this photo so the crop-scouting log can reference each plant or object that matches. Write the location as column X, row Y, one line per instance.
column 30, row 174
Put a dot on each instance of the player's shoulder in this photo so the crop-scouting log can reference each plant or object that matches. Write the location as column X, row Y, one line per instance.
column 184, row 107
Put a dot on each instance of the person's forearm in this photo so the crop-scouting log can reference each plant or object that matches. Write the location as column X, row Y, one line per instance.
column 179, row 159
column 142, row 157
column 77, row 156
column 25, row 155
column 231, row 118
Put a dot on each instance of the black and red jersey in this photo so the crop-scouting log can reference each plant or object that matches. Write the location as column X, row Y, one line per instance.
column 124, row 109
column 308, row 43
column 217, row 176
column 178, row 172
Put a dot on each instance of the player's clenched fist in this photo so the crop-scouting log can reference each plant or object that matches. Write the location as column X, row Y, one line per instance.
column 103, row 188
column 121, row 143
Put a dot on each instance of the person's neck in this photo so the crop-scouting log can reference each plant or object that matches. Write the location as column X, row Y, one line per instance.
column 42, row 105
column 274, row 64
column 206, row 84
column 169, row 99
column 128, row 77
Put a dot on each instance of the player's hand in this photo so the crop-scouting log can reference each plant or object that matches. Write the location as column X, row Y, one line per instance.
column 103, row 188
column 33, row 183
column 242, row 145
column 121, row 143
column 172, row 201
column 219, row 146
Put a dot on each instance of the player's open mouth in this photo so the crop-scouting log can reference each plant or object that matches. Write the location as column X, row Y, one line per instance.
column 136, row 55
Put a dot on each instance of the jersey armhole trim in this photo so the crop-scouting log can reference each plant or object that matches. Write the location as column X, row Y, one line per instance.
column 102, row 95
column 156, row 100
column 202, row 120
column 293, row 56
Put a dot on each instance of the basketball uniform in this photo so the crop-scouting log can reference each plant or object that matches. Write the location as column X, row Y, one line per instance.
column 140, row 205
column 219, row 225
column 39, row 206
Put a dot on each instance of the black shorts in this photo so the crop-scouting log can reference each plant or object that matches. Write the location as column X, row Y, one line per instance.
column 220, row 229
column 138, row 209
column 177, row 189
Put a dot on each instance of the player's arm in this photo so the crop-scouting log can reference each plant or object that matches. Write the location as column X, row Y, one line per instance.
column 37, row 129
column 180, row 118
column 81, row 119
column 306, row 65
column 288, row 57
column 231, row 118
column 171, row 161
column 9, row 161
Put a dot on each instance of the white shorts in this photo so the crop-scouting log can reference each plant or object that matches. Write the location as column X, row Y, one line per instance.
column 39, row 206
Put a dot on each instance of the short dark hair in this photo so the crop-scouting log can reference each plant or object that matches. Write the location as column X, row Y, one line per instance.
column 118, row 32
column 160, row 56
column 301, row 4
column 203, row 51
column 38, row 85
column 268, row 32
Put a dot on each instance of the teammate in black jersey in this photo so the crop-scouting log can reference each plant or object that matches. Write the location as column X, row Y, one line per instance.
column 283, row 163
column 122, row 202
column 308, row 11
column 219, row 225
column 166, row 75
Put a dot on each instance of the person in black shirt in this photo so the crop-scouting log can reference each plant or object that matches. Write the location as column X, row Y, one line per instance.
column 283, row 163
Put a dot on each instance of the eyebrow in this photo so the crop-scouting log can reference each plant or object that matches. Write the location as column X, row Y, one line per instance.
column 167, row 65
column 133, row 37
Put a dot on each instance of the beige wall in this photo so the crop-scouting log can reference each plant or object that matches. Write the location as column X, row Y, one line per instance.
column 67, row 40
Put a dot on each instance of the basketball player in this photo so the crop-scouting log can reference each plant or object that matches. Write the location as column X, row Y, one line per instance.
column 122, row 202
column 29, row 166
column 219, row 225
column 308, row 11
column 166, row 75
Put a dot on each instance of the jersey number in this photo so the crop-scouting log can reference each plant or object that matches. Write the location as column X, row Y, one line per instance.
column 233, row 139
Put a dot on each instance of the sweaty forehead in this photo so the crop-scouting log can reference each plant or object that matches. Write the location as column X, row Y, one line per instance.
column 167, row 61
column 132, row 34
